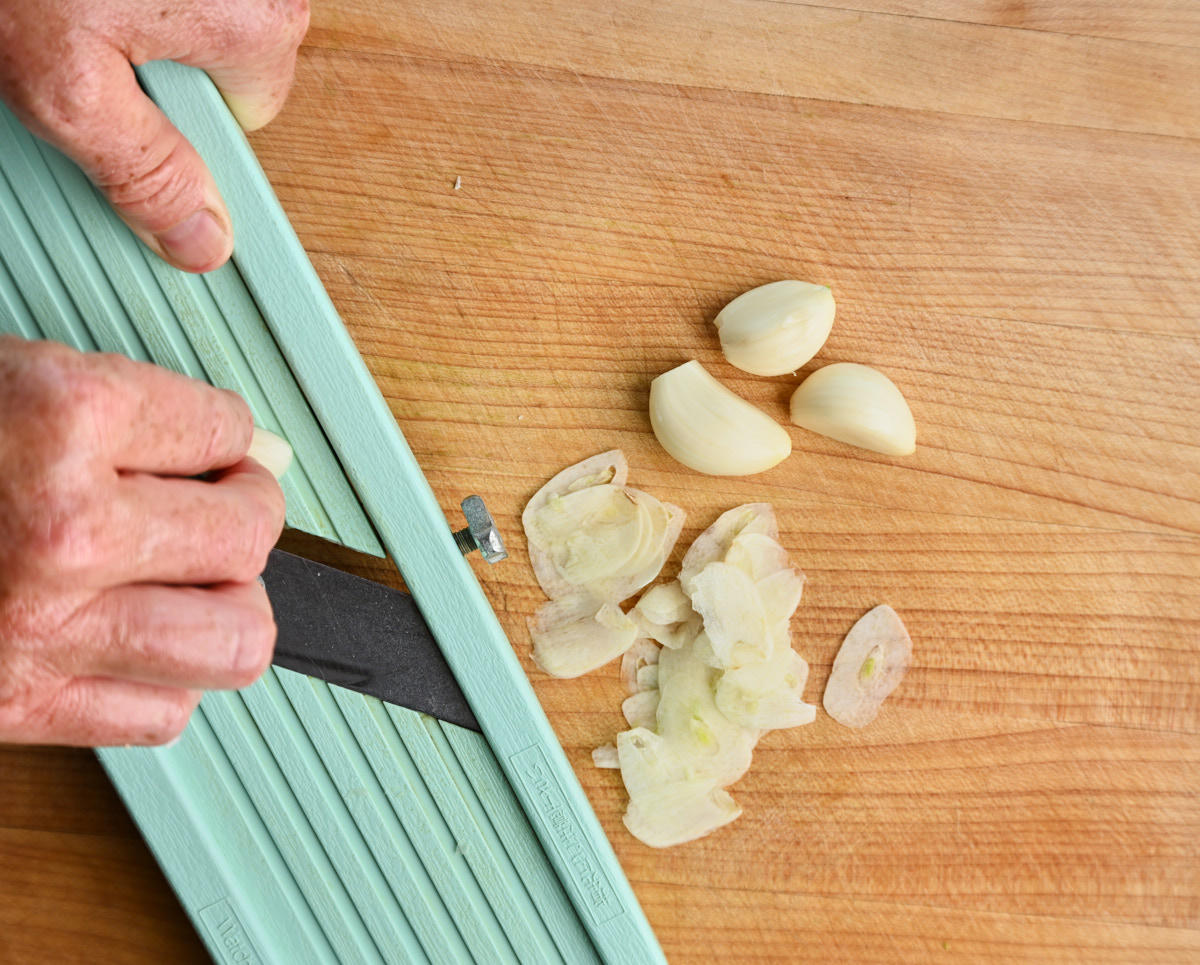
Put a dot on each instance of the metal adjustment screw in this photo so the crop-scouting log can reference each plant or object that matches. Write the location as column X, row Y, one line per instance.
column 481, row 533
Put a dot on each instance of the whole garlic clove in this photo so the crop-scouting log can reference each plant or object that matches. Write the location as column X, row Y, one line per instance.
column 776, row 328
column 709, row 429
column 856, row 404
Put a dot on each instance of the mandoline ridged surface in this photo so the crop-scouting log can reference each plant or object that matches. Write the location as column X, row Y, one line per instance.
column 298, row 822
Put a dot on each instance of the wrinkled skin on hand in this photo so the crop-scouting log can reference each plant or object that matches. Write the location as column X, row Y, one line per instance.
column 126, row 587
column 65, row 70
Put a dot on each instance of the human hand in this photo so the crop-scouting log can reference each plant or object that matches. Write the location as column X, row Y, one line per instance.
column 65, row 70
column 125, row 586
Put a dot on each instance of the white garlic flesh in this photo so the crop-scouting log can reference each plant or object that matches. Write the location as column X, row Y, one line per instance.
column 869, row 665
column 776, row 328
column 858, row 405
column 710, row 429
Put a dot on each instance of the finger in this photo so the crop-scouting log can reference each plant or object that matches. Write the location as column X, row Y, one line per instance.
column 187, row 531
column 104, row 712
column 248, row 48
column 154, row 420
column 216, row 638
column 152, row 176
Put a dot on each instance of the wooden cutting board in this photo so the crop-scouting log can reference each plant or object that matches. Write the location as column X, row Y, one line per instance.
column 525, row 210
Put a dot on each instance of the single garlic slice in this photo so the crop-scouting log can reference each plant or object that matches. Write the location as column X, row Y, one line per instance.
column 869, row 665
column 858, row 405
column 664, row 604
column 714, row 543
column 710, row 429
column 776, row 328
column 757, row 555
column 767, row 694
column 734, row 622
column 574, row 635
column 590, row 534
column 641, row 709
column 606, row 756
column 664, row 524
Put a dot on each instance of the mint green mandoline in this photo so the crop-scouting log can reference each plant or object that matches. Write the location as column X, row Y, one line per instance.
column 299, row 822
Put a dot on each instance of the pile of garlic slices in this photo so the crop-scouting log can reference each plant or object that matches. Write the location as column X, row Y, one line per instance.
column 593, row 542
column 713, row 670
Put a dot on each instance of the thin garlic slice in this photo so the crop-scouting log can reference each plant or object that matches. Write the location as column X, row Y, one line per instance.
column 734, row 622
column 637, row 658
column 607, row 468
column 714, row 543
column 668, row 803
column 641, row 709
column 869, row 665
column 710, row 429
column 664, row 604
column 858, row 405
column 606, row 756
column 572, row 636
column 776, row 328
column 768, row 694
column 590, row 534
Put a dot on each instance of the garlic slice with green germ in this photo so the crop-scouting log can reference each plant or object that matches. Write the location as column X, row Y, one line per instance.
column 869, row 665
column 858, row 405
column 710, row 429
column 776, row 328
column 714, row 543
column 767, row 694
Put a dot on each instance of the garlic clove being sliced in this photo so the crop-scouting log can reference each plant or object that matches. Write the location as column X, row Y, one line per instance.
column 272, row 452
column 574, row 635
column 858, row 405
column 713, row 544
column 710, row 429
column 869, row 665
column 776, row 328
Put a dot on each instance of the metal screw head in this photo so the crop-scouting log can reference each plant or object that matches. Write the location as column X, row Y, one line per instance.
column 481, row 533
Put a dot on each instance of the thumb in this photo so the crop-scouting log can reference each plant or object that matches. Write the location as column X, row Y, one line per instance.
column 154, row 179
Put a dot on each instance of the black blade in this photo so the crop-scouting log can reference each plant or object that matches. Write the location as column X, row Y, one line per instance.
column 362, row 635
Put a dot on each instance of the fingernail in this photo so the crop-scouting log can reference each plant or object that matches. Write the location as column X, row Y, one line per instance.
column 196, row 243
column 271, row 451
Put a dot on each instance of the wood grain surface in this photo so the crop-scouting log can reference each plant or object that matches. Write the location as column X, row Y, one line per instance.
column 1003, row 197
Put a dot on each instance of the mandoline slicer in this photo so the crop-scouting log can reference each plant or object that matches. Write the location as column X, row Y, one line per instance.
column 299, row 822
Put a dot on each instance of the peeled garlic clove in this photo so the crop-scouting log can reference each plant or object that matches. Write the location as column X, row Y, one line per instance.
column 571, row 636
column 714, row 543
column 709, row 429
column 869, row 665
column 775, row 329
column 857, row 405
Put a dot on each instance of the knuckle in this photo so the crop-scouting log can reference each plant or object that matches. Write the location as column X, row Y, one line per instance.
column 159, row 188
column 174, row 719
